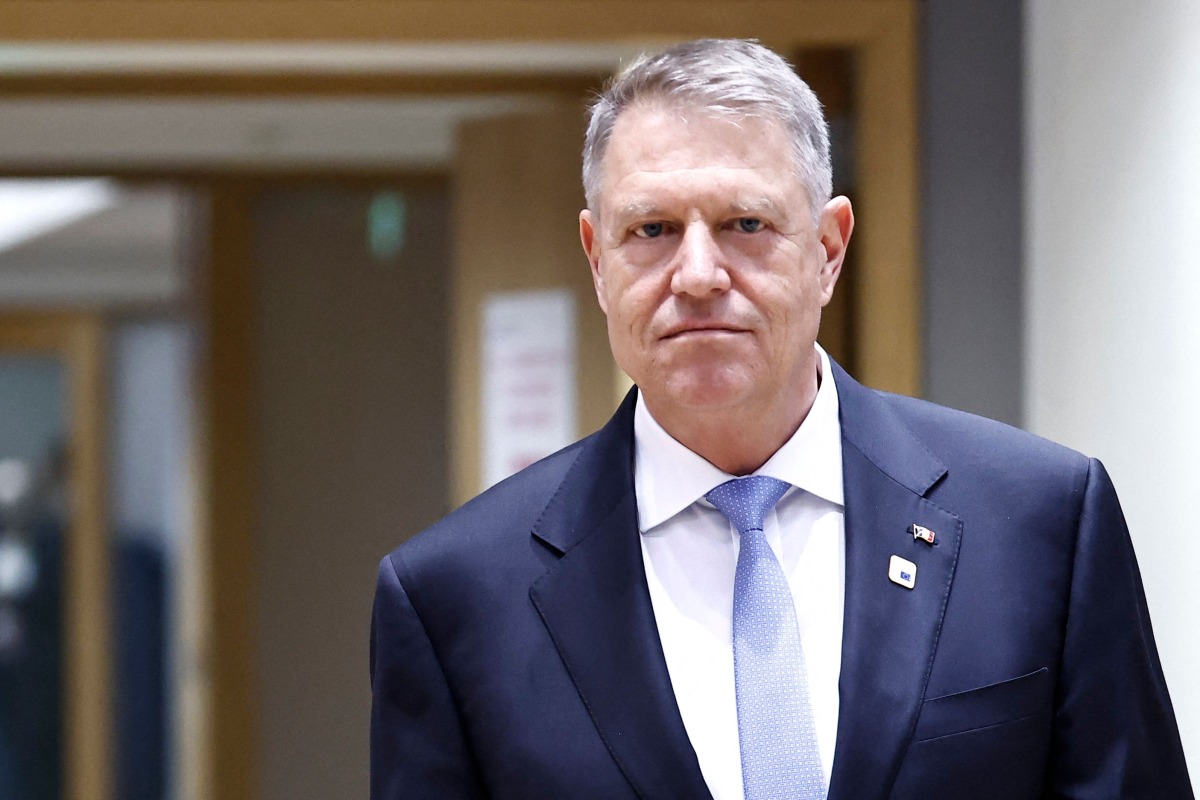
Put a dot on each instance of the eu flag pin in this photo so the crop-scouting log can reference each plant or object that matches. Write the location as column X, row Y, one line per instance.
column 902, row 572
column 924, row 534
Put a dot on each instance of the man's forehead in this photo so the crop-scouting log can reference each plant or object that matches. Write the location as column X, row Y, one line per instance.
column 763, row 189
column 657, row 139
column 664, row 158
column 650, row 119
column 672, row 110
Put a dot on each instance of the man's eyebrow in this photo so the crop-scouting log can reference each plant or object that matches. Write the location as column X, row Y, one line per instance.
column 755, row 205
column 637, row 210
column 749, row 206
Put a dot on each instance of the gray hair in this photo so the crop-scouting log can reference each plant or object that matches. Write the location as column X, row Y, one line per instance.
column 737, row 77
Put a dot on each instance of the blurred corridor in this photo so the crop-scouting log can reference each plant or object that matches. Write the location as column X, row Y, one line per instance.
column 255, row 260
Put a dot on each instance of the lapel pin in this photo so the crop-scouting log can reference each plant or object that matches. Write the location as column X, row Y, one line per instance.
column 921, row 532
column 902, row 572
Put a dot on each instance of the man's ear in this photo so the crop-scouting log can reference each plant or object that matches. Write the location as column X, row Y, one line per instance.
column 834, row 229
column 589, row 238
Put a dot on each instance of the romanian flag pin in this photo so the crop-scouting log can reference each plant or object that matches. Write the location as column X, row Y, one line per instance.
column 924, row 534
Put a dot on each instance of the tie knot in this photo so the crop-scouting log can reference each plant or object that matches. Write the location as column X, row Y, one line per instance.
column 746, row 501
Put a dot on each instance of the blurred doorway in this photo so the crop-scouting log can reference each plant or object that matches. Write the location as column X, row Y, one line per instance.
column 287, row 121
column 96, row 488
column 53, row 568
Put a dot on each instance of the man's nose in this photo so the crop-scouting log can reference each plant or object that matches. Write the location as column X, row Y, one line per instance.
column 699, row 264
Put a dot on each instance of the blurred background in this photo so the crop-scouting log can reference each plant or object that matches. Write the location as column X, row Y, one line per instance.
column 283, row 282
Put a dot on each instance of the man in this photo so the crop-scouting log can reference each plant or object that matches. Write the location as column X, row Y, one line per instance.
column 761, row 579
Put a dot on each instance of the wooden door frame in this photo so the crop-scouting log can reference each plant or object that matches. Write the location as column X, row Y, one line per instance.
column 882, row 34
column 77, row 338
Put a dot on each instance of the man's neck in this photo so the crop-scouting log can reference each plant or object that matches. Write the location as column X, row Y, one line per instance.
column 737, row 440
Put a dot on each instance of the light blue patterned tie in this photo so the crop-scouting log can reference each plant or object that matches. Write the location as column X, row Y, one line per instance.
column 778, row 739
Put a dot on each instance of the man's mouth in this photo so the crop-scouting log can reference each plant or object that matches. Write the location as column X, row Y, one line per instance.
column 710, row 329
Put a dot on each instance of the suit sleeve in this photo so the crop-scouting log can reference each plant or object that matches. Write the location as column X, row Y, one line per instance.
column 418, row 748
column 1115, row 731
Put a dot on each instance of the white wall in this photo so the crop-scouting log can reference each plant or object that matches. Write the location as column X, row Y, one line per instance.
column 1113, row 282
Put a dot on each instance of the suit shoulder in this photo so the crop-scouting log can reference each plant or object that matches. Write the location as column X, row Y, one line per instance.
column 960, row 438
column 483, row 527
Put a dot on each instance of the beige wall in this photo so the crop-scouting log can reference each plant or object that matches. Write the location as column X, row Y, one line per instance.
column 350, row 394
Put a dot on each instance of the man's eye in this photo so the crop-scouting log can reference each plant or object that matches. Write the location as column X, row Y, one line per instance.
column 749, row 224
column 649, row 230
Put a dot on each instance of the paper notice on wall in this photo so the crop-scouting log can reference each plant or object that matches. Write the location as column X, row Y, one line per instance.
column 529, row 366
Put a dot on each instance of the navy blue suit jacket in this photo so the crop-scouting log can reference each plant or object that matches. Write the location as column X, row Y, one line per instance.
column 514, row 652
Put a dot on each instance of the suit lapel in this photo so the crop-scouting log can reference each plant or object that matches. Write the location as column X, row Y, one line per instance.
column 890, row 632
column 596, row 606
column 595, row 603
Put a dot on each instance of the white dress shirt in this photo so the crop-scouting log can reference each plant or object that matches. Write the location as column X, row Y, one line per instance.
column 690, row 553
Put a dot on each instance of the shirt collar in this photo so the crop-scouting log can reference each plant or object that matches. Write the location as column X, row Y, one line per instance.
column 668, row 477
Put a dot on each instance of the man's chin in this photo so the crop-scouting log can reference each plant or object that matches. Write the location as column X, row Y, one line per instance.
column 703, row 390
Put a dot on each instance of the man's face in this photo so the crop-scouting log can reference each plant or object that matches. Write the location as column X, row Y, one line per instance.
column 707, row 263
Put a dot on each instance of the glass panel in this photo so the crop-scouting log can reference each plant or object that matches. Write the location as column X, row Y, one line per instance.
column 149, row 495
column 32, row 528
